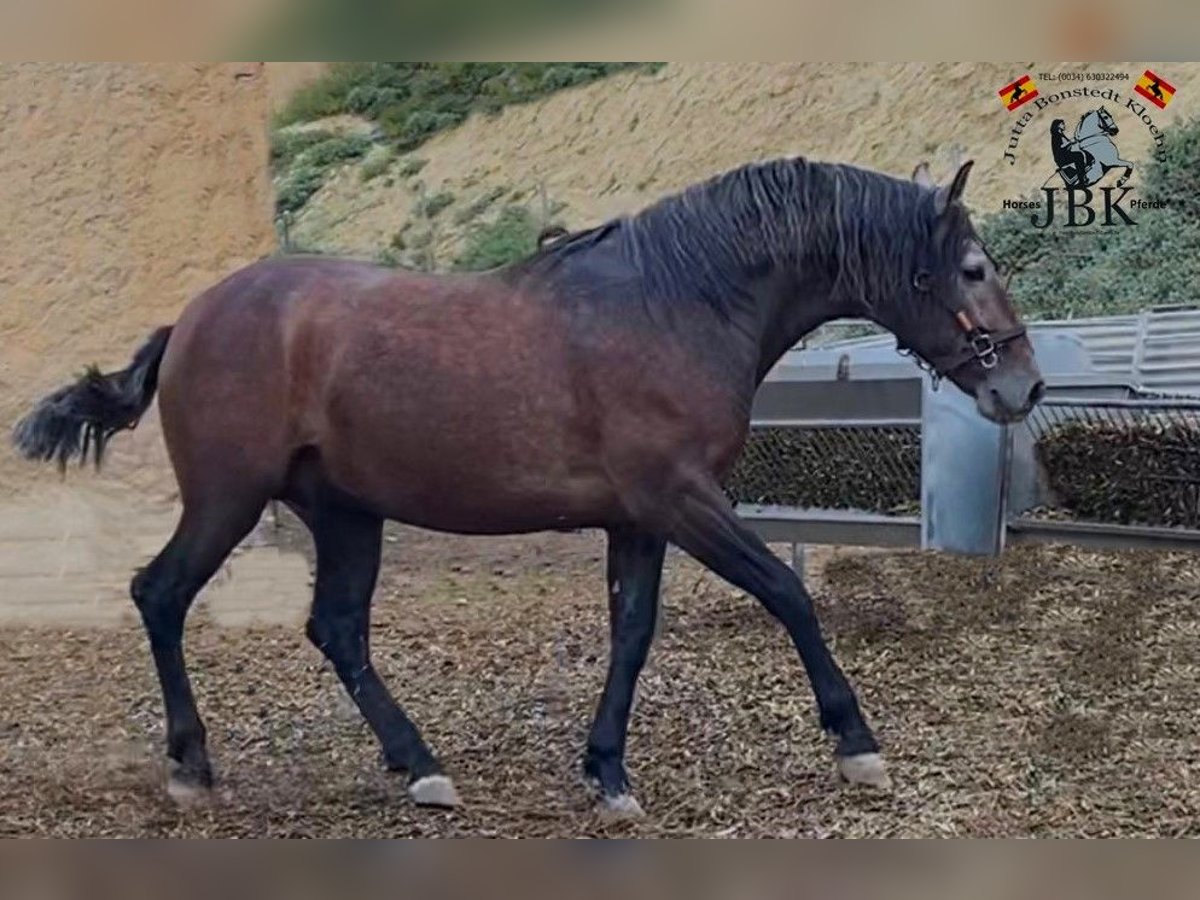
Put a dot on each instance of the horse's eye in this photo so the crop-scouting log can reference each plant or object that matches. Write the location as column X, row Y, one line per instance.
column 974, row 273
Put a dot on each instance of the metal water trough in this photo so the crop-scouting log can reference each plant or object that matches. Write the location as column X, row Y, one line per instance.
column 904, row 465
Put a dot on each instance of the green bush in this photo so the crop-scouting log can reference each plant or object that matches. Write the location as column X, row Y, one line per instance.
column 301, row 165
column 377, row 161
column 337, row 149
column 1067, row 273
column 412, row 101
column 411, row 166
column 286, row 145
column 512, row 236
column 433, row 204
column 326, row 96
column 295, row 189
column 1176, row 178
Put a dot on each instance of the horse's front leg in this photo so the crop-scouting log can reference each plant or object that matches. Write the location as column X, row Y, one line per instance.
column 1128, row 166
column 706, row 526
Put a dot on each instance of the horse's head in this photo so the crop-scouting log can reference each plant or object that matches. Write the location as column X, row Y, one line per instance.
column 1107, row 125
column 955, row 313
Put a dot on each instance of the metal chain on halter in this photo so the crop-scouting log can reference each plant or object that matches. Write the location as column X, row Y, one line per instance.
column 935, row 378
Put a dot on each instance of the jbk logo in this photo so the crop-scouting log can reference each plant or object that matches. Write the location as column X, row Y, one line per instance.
column 1079, row 205
column 1081, row 160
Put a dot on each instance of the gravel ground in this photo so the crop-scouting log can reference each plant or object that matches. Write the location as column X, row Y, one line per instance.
column 1051, row 693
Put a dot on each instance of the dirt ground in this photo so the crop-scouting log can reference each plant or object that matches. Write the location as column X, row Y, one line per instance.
column 1049, row 693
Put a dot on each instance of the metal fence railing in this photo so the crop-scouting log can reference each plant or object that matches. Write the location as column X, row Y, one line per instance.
column 848, row 446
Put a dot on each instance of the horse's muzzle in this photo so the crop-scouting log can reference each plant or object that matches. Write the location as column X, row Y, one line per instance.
column 1007, row 397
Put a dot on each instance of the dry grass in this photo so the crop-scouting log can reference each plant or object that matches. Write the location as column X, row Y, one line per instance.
column 1050, row 693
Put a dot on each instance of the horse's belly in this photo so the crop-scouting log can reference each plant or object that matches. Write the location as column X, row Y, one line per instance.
column 484, row 503
column 473, row 471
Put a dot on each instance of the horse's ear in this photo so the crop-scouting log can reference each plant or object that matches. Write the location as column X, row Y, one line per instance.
column 922, row 176
column 952, row 193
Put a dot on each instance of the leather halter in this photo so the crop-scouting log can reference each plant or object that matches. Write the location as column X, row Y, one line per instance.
column 980, row 345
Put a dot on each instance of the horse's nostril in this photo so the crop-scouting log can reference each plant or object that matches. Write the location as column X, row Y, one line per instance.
column 1036, row 393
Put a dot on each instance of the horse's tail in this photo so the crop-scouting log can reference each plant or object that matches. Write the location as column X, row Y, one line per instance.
column 77, row 420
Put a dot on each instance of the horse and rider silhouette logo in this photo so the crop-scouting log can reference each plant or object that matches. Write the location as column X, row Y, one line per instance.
column 1081, row 161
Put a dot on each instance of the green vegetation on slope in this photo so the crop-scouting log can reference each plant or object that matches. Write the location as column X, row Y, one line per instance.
column 408, row 103
column 303, row 159
column 324, row 29
column 1062, row 272
column 510, row 237
column 412, row 101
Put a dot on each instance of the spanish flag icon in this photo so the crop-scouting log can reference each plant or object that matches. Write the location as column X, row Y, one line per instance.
column 1020, row 91
column 1154, row 89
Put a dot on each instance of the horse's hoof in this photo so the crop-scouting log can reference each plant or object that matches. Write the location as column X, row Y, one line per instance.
column 434, row 790
column 864, row 768
column 617, row 807
column 187, row 788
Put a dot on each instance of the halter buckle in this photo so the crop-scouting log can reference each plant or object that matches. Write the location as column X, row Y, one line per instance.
column 984, row 348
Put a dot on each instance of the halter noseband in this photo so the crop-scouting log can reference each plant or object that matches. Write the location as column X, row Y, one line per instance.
column 982, row 346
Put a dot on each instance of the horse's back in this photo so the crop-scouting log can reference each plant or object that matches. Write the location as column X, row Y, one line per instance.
column 402, row 383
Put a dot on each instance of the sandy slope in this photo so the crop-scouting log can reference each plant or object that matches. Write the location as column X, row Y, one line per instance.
column 612, row 146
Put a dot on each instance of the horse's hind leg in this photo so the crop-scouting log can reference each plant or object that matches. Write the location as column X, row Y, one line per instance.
column 163, row 592
column 635, row 560
column 348, row 547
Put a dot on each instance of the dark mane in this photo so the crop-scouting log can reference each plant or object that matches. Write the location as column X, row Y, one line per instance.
column 869, row 228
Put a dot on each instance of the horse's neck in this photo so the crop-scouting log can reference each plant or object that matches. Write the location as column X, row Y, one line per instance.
column 770, row 306
column 799, row 302
column 796, row 310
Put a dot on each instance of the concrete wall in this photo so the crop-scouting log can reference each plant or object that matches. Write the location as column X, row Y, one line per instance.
column 124, row 191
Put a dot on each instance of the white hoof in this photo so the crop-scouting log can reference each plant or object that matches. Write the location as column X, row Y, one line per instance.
column 622, row 806
column 184, row 792
column 434, row 790
column 864, row 768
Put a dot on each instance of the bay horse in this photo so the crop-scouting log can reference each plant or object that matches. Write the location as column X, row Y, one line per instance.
column 603, row 382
